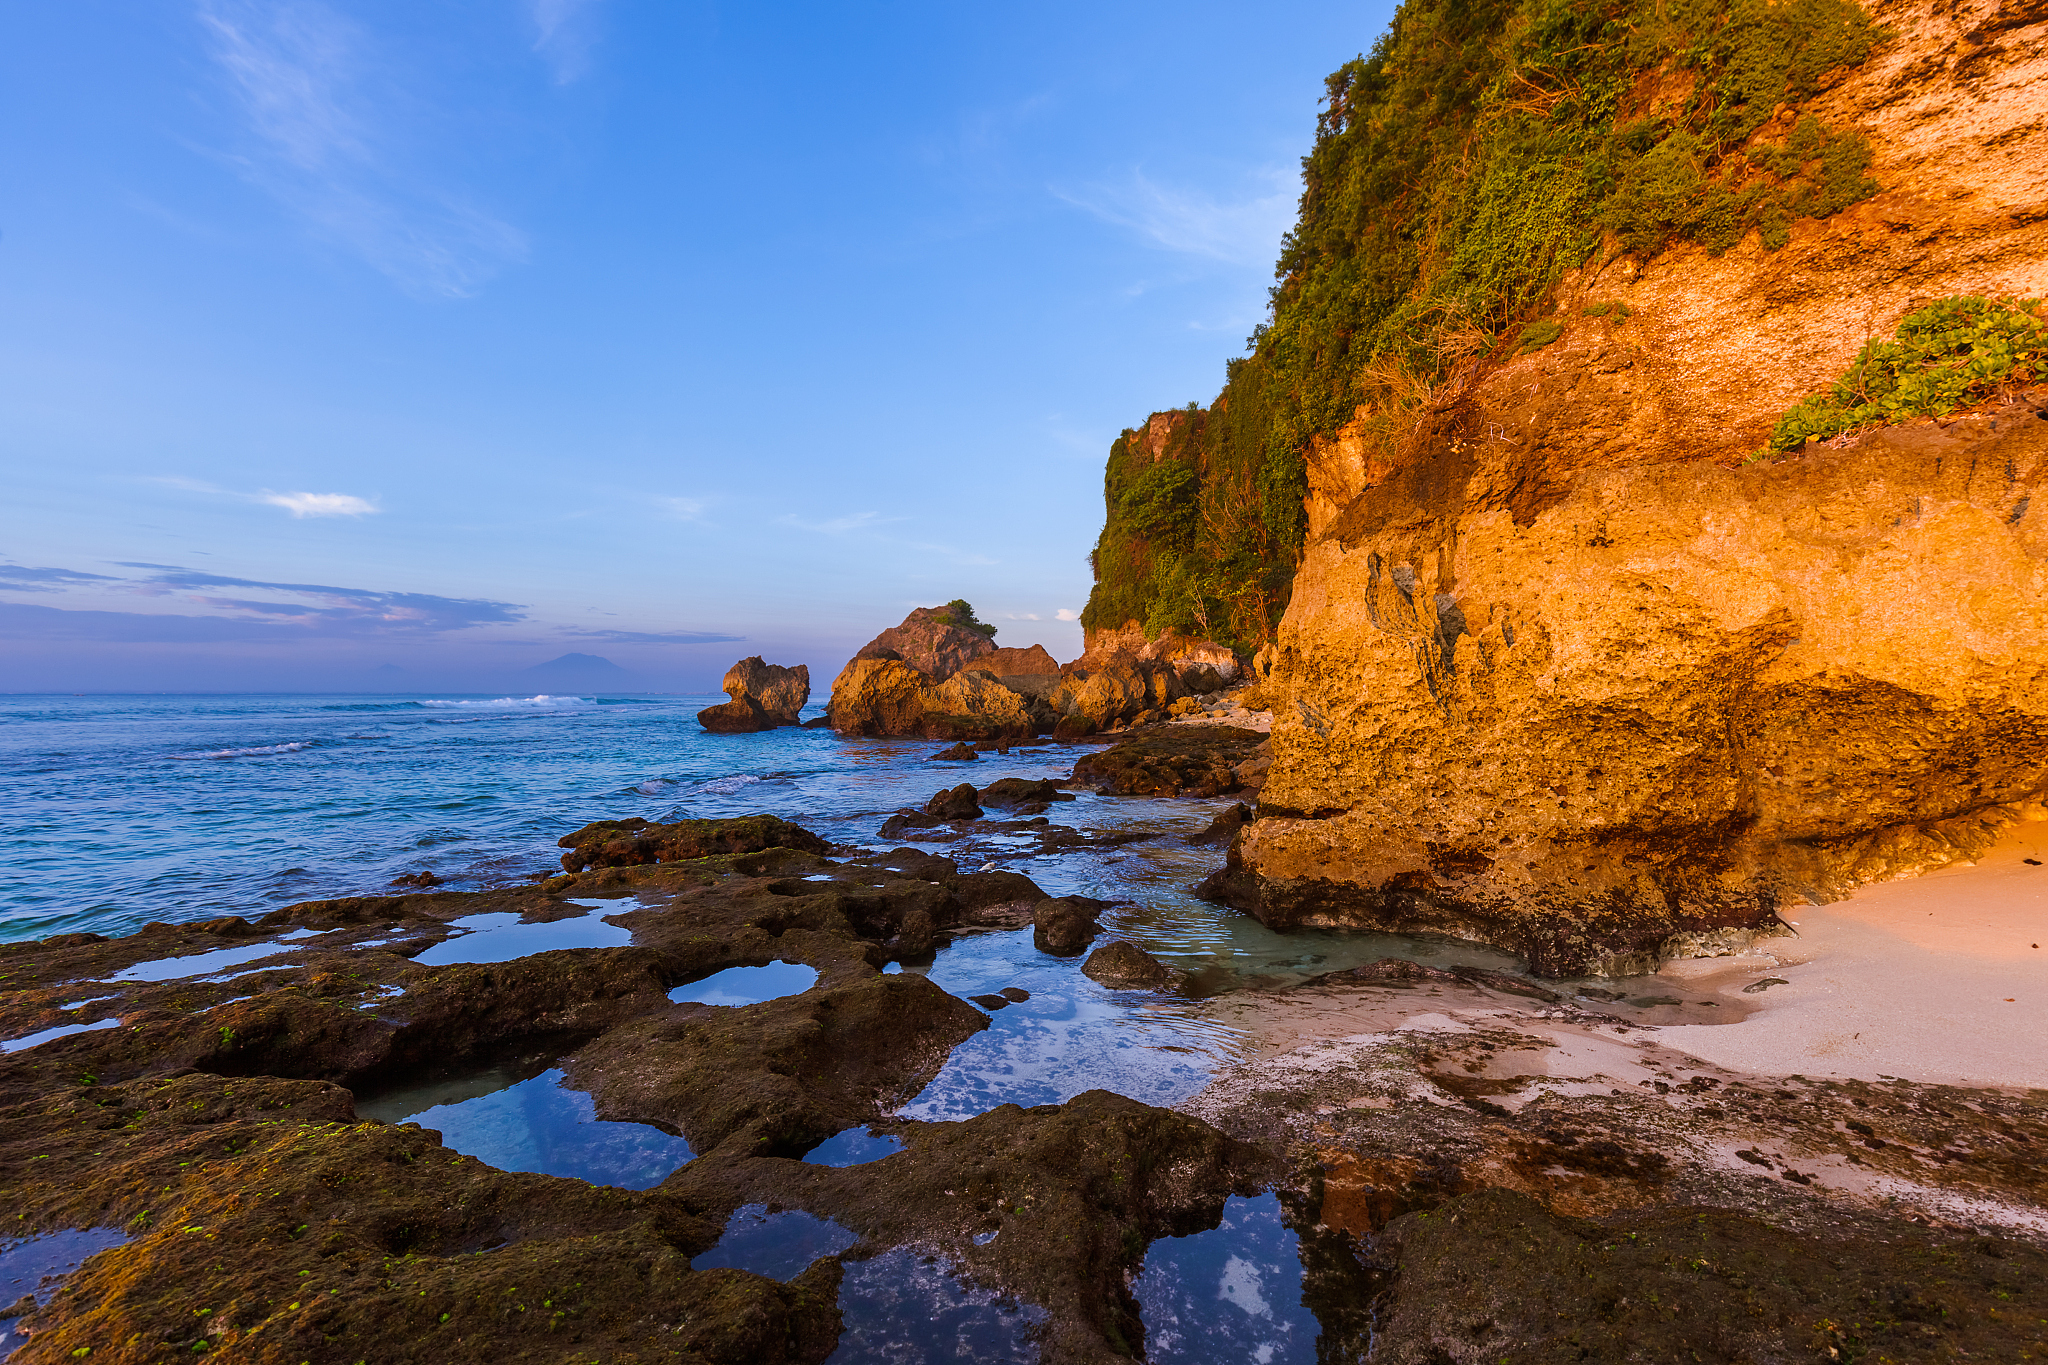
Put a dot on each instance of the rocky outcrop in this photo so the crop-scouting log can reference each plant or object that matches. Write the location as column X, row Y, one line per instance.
column 1064, row 927
column 930, row 641
column 877, row 697
column 763, row 696
column 889, row 697
column 635, row 842
column 1174, row 760
column 1565, row 671
column 974, row 705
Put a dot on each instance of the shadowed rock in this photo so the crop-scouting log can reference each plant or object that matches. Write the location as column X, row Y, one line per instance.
column 763, row 696
column 629, row 843
column 1126, row 966
column 956, row 803
column 1063, row 927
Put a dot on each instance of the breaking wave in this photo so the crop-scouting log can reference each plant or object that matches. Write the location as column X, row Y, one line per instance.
column 251, row 753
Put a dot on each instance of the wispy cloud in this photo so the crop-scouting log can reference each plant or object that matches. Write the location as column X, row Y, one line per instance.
column 320, row 146
column 237, row 608
column 321, row 504
column 1066, row 614
column 565, row 34
column 21, row 578
column 1193, row 222
column 298, row 504
column 651, row 637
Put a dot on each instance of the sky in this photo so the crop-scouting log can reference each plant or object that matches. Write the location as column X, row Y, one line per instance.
column 406, row 346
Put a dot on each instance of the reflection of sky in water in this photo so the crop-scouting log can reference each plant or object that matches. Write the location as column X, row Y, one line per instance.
column 39, row 1266
column 902, row 1309
column 1232, row 1293
column 51, row 1035
column 534, row 1125
column 500, row 937
column 197, row 964
column 1075, row 1034
column 748, row 985
column 854, row 1147
column 778, row 1245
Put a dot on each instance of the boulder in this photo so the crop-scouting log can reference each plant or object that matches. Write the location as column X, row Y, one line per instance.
column 877, row 697
column 974, row 705
column 1021, row 791
column 1225, row 826
column 763, row 696
column 956, row 803
column 1063, row 927
column 930, row 642
column 959, row 753
column 1126, row 966
column 1175, row 760
column 1115, row 691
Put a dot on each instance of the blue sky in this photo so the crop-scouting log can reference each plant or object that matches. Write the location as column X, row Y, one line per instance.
column 412, row 344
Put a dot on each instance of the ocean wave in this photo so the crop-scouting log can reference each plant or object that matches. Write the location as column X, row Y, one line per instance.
column 252, row 752
column 373, row 706
column 719, row 786
column 656, row 786
column 539, row 703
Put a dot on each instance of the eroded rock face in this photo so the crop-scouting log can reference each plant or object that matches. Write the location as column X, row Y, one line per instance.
column 1563, row 673
column 763, row 696
column 889, row 697
column 877, row 697
column 930, row 643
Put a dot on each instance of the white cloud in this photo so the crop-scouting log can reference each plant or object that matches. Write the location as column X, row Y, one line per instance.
column 1066, row 614
column 323, row 144
column 1193, row 222
column 564, row 35
column 320, row 504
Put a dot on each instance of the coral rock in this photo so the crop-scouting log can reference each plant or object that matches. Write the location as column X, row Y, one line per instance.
column 764, row 696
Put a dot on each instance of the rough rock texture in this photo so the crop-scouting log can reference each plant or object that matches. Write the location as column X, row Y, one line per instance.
column 631, row 842
column 955, row 803
column 1063, row 927
column 930, row 643
column 1562, row 673
column 1126, row 966
column 974, row 705
column 877, row 697
column 1178, row 760
column 1197, row 662
column 764, row 695
column 268, row 1222
column 1019, row 663
column 889, row 697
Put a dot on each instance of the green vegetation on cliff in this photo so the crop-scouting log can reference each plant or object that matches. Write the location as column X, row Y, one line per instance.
column 1483, row 148
column 1952, row 352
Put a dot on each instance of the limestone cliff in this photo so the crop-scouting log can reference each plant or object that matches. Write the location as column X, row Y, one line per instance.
column 1565, row 666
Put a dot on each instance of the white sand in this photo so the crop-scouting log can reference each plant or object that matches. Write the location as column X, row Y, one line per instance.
column 1934, row 979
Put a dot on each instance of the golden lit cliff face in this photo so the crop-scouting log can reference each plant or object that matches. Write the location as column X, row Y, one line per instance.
column 1563, row 672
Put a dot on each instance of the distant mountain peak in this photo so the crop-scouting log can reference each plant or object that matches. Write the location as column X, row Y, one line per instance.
column 587, row 664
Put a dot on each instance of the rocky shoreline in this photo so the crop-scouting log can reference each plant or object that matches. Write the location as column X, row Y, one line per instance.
column 1475, row 1165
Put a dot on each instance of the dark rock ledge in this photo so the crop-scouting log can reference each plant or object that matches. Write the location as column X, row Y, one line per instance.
column 268, row 1222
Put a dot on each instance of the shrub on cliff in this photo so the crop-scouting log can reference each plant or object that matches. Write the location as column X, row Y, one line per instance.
column 958, row 612
column 1484, row 147
column 1951, row 353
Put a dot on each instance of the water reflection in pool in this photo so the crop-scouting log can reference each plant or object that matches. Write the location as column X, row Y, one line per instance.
column 854, row 1147
column 905, row 1309
column 500, row 936
column 748, row 985
column 35, row 1268
column 779, row 1245
column 1231, row 1293
column 534, row 1124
